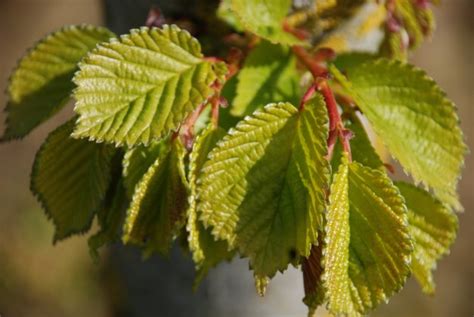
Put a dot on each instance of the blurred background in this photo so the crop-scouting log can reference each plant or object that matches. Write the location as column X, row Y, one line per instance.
column 39, row 279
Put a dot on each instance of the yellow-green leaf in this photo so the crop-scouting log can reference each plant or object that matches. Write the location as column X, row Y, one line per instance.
column 41, row 83
column 414, row 118
column 206, row 251
column 263, row 187
column 138, row 88
column 157, row 211
column 70, row 179
column 265, row 19
column 367, row 244
column 433, row 228
column 269, row 75
column 138, row 160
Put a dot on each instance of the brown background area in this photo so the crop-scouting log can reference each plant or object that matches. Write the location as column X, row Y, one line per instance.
column 38, row 279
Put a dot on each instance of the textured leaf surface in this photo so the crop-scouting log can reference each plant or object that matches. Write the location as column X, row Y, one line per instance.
column 157, row 211
column 206, row 251
column 414, row 118
column 265, row 18
column 41, row 83
column 70, row 178
column 138, row 160
column 140, row 87
column 269, row 75
column 262, row 189
column 433, row 228
column 368, row 247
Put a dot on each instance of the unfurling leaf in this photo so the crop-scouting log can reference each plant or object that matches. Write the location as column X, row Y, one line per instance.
column 367, row 244
column 138, row 88
column 415, row 120
column 433, row 228
column 206, row 251
column 157, row 211
column 269, row 75
column 265, row 19
column 41, row 84
column 262, row 189
column 70, row 179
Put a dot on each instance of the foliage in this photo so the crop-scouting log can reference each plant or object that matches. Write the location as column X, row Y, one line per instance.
column 295, row 180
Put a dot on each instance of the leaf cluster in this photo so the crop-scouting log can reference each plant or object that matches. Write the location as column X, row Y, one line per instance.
column 280, row 176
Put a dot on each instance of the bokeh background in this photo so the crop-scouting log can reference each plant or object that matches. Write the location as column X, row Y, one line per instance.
column 39, row 279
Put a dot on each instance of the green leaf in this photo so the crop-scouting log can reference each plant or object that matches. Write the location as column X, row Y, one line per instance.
column 265, row 19
column 225, row 13
column 268, row 75
column 367, row 251
column 433, row 228
column 206, row 251
column 157, row 211
column 70, row 179
column 414, row 118
column 110, row 217
column 41, row 83
column 138, row 88
column 138, row 160
column 262, row 189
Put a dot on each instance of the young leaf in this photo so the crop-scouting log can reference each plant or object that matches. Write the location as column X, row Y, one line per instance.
column 138, row 88
column 110, row 218
column 415, row 120
column 269, row 75
column 433, row 228
column 265, row 19
column 41, row 84
column 157, row 211
column 206, row 251
column 70, row 179
column 263, row 187
column 138, row 160
column 367, row 251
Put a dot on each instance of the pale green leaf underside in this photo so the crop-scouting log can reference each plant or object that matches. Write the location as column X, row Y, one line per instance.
column 206, row 251
column 368, row 247
column 158, row 205
column 265, row 18
column 262, row 189
column 41, row 84
column 140, row 87
column 269, row 75
column 414, row 118
column 433, row 228
column 70, row 178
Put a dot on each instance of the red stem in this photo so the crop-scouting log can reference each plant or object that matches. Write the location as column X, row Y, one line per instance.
column 308, row 61
column 320, row 75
